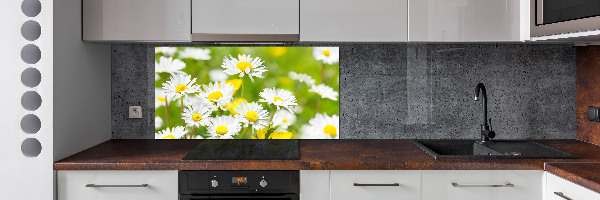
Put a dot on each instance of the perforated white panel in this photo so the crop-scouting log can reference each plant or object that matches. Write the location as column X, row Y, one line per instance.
column 26, row 170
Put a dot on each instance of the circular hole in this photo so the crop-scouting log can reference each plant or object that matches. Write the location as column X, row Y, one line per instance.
column 31, row 147
column 31, row 124
column 31, row 8
column 31, row 77
column 31, row 30
column 31, row 54
column 31, row 100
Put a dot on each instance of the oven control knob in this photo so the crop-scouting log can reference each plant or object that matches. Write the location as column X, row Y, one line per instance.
column 263, row 183
column 214, row 183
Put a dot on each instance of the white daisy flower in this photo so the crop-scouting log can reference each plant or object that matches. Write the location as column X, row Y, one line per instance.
column 169, row 51
column 244, row 65
column 252, row 114
column 197, row 115
column 302, row 78
column 328, row 55
column 218, row 93
column 159, row 98
column 283, row 119
column 279, row 97
column 197, row 137
column 195, row 53
column 224, row 127
column 217, row 75
column 158, row 123
column 174, row 133
column 322, row 127
column 168, row 65
column 179, row 86
column 324, row 91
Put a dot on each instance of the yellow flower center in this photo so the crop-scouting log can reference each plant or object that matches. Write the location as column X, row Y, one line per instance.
column 215, row 96
column 326, row 52
column 197, row 117
column 221, row 130
column 180, row 88
column 169, row 137
column 251, row 116
column 331, row 130
column 275, row 99
column 243, row 65
column 285, row 121
column 162, row 99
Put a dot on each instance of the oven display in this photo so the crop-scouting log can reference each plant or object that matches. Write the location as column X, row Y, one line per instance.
column 239, row 180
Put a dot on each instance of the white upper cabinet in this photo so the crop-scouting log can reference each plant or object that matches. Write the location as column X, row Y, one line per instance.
column 468, row 20
column 245, row 20
column 354, row 20
column 136, row 20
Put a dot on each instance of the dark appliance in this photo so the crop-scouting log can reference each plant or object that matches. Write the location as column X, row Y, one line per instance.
column 555, row 17
column 234, row 185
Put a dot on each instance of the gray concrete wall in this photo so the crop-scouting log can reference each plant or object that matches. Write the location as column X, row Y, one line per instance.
column 393, row 91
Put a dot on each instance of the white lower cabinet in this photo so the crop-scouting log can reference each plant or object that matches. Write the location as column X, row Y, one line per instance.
column 482, row 184
column 561, row 189
column 375, row 185
column 117, row 185
column 314, row 184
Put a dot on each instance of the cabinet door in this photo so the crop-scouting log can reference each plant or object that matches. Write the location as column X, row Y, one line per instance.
column 379, row 185
column 482, row 184
column 314, row 185
column 223, row 18
column 561, row 189
column 136, row 20
column 468, row 20
column 354, row 20
column 117, row 185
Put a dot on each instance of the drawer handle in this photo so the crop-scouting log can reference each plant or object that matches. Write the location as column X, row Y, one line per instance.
column 560, row 194
column 94, row 185
column 362, row 184
column 505, row 185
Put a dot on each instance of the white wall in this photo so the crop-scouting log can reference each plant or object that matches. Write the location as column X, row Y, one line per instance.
column 82, row 88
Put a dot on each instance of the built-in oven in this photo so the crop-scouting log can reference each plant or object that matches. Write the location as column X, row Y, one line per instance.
column 555, row 17
column 234, row 185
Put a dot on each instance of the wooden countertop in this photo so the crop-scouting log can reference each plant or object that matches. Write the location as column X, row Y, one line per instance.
column 314, row 155
column 581, row 173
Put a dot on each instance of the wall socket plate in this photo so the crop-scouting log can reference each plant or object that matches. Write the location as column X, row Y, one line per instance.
column 135, row 112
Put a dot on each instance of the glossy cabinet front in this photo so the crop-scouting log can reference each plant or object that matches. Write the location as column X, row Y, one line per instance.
column 468, row 20
column 117, row 184
column 482, row 184
column 354, row 20
column 380, row 185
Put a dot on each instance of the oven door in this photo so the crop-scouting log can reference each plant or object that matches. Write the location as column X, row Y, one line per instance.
column 236, row 197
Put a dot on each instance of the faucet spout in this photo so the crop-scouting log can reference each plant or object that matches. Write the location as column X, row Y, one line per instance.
column 486, row 132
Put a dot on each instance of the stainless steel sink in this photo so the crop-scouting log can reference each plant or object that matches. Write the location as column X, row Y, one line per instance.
column 493, row 149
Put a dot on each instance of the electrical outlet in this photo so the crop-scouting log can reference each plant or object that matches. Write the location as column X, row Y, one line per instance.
column 135, row 112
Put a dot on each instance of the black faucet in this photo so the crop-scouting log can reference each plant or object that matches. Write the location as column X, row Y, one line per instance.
column 486, row 129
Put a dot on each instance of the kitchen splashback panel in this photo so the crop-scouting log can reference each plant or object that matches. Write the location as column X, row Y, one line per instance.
column 393, row 91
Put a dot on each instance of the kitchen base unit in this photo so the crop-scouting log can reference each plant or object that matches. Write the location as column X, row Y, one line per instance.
column 117, row 184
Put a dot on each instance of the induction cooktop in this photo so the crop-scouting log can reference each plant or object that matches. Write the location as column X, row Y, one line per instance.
column 245, row 150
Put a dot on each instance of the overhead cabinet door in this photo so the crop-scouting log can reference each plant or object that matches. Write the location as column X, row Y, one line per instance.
column 354, row 20
column 468, row 21
column 136, row 20
column 245, row 20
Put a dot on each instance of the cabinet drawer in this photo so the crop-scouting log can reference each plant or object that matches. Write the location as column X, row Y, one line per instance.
column 482, row 184
column 567, row 189
column 380, row 185
column 117, row 185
